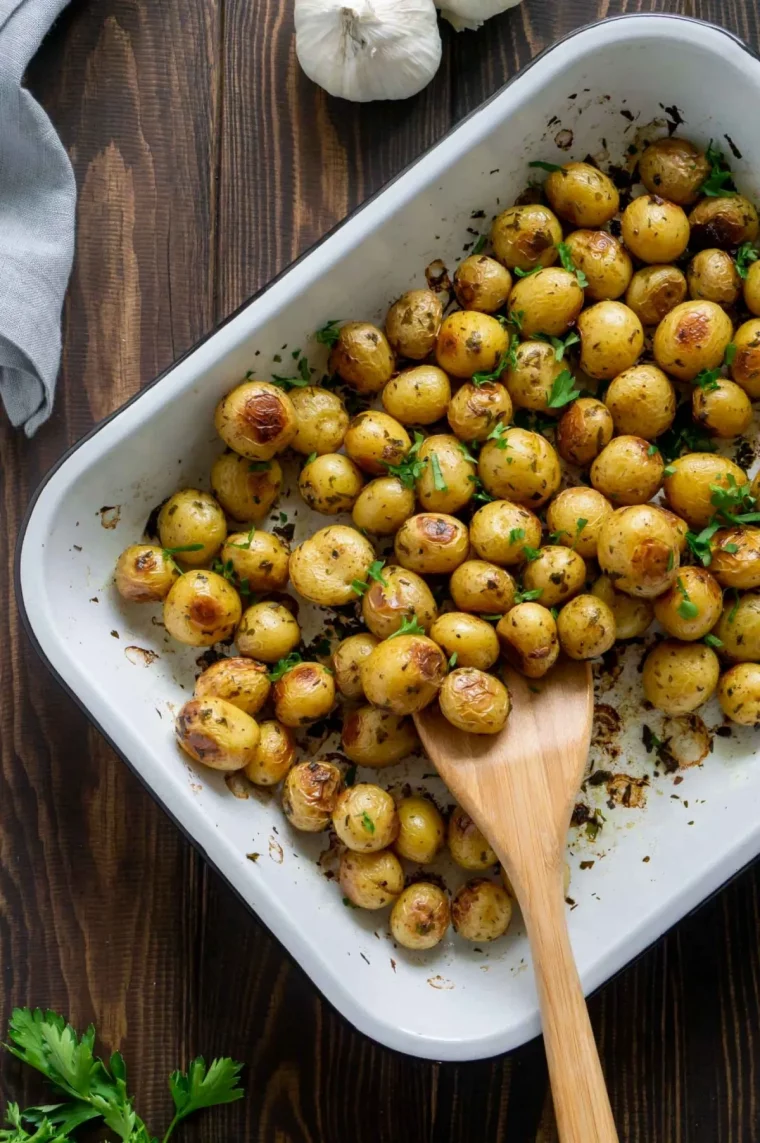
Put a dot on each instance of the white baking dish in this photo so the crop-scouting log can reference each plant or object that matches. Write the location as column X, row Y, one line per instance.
column 649, row 866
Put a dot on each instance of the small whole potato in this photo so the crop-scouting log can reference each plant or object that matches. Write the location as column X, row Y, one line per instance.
column 586, row 627
column 330, row 483
column 739, row 628
column 201, row 608
column 258, row 559
column 245, row 489
column 447, row 481
column 612, row 338
column 745, row 367
column 216, row 733
column 692, row 337
column 365, row 818
column 474, row 701
column 724, row 410
column 470, row 342
column 638, row 550
column 470, row 639
column 692, row 606
column 688, row 484
column 482, row 283
column 321, row 418
column 582, row 194
column 632, row 616
column 144, row 574
column 736, row 557
column 274, row 755
column 413, row 322
column 520, row 466
column 396, row 596
column 362, row 357
column 500, row 532
column 310, row 793
column 739, row 694
column 468, row 847
column 481, row 910
column 679, row 526
column 420, row 916
column 191, row 525
column 432, row 543
column 531, row 379
column 243, row 682
column 256, row 419
column 642, row 402
column 528, row 638
column 404, row 673
column 346, row 659
column 627, row 471
column 267, row 631
column 724, row 222
column 373, row 737
column 374, row 440
column 604, row 261
column 655, row 230
column 679, row 677
column 475, row 409
column 751, row 289
column 324, row 567
column 481, row 587
column 675, row 169
column 418, row 396
column 557, row 572
column 370, row 880
column 524, row 237
column 382, row 506
column 549, row 301
column 583, row 431
column 654, row 291
column 712, row 274
column 421, row 830
column 303, row 694
column 575, row 517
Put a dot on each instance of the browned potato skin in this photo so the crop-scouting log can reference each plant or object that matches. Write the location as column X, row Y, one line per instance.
column 482, row 283
column 654, row 291
column 323, row 568
column 245, row 495
column 330, row 483
column 612, row 338
column 528, row 638
column 530, row 380
column 417, row 396
column 642, row 402
column 217, row 733
column 490, row 530
column 550, row 301
column 741, row 568
column 457, row 472
column 694, row 585
column 413, row 322
column 473, row 701
column 712, row 275
column 739, row 628
column 256, row 420
column 421, row 830
column 625, row 471
column 526, row 236
column 475, row 409
column 201, row 608
column 582, row 194
column 586, row 627
column 309, row 794
column 739, row 694
column 420, row 916
column 346, row 661
column 242, row 682
column 471, row 639
column 468, row 847
column 362, row 357
column 303, row 694
column 687, row 487
column 403, row 674
column 572, row 505
column 401, row 594
column 374, row 440
column 144, row 574
column 605, row 262
column 675, row 169
column 470, row 342
column 638, row 551
column 370, row 880
column 432, row 543
column 583, row 431
column 679, row 526
column 692, row 337
column 632, row 616
column 679, row 677
column 481, row 910
column 267, row 631
column 192, row 517
column 275, row 754
column 745, row 368
column 654, row 230
column 322, row 420
column 557, row 572
column 751, row 289
column 479, row 586
column 526, row 471
column 378, row 738
column 723, row 222
column 725, row 412
column 365, row 818
column 382, row 506
column 258, row 558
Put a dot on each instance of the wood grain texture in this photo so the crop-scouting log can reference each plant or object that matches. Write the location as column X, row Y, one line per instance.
column 205, row 161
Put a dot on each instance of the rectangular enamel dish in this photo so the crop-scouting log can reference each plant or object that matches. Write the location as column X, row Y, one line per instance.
column 652, row 863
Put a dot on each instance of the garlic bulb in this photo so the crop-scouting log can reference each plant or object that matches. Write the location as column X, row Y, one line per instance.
column 472, row 13
column 368, row 49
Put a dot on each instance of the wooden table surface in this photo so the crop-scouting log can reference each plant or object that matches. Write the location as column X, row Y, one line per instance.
column 206, row 162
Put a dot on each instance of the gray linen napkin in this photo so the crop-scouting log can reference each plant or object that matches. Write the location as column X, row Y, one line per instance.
column 37, row 213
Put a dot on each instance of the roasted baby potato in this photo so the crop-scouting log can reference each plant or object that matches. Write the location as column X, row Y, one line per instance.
column 404, row 673
column 736, row 557
column 482, row 283
column 723, row 408
column 627, row 471
column 586, row 627
column 191, row 525
column 274, row 754
column 374, row 440
column 346, row 661
column 745, row 367
column 201, row 608
column 524, row 237
column 679, row 677
column 583, row 431
column 321, row 418
column 475, row 409
column 370, row 880
column 418, row 396
column 256, row 419
column 654, row 291
column 470, row 342
column 692, row 606
column 481, row 910
column 575, row 517
column 712, row 275
column 243, row 682
column 324, row 567
column 582, row 194
column 413, row 322
column 739, row 628
column 330, row 483
column 217, row 733
column 467, row 845
column 481, row 587
column 549, row 301
column 397, row 595
column 500, row 532
column 611, row 339
column 420, row 916
column 692, row 337
column 303, row 694
column 632, row 616
column 378, row 738
column 655, row 230
column 365, row 818
column 739, row 694
column 267, row 631
column 421, row 830
column 432, row 543
column 638, row 550
column 724, row 221
column 362, row 357
column 145, row 573
column 383, row 505
column 751, row 289
column 675, row 169
column 474, row 701
column 531, row 378
column 520, row 466
column 642, row 402
column 604, row 261
column 447, row 481
column 528, row 638
column 688, row 485
column 468, row 640
column 245, row 489
column 258, row 559
column 310, row 793
column 557, row 573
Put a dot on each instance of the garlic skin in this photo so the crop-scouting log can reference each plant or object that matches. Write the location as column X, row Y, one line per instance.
column 368, row 49
column 470, row 14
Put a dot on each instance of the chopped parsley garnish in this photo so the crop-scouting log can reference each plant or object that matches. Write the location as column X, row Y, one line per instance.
column 228, row 572
column 527, row 273
column 528, row 596
column 515, row 318
column 368, row 823
column 563, row 391
column 283, row 666
column 699, row 543
column 720, row 182
column 713, row 641
column 566, row 258
column 545, row 166
column 411, row 468
column 668, row 470
column 453, row 661
column 350, row 776
column 745, row 256
column 708, row 380
column 170, row 553
column 410, row 625
column 497, row 434
column 652, row 450
column 465, row 447
column 687, row 609
column 530, row 554
column 310, row 459
column 439, row 484
column 329, row 333
column 480, row 494
column 492, row 618
column 479, row 245
column 733, row 612
column 559, row 344
column 516, row 534
column 730, row 353
column 374, row 572
column 671, row 561
column 479, row 379
column 727, row 500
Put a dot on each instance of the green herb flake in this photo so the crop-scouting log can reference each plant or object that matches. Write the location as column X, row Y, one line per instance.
column 559, row 345
column 453, row 661
column 411, row 468
column 545, row 166
column 530, row 554
column 350, row 776
column 465, row 447
column 329, row 333
column 283, row 666
column 368, row 823
column 528, row 596
column 492, row 618
column 668, row 470
column 671, row 561
column 566, row 258
column 652, row 450
column 720, row 181
column 291, row 382
column 479, row 379
column 563, row 391
column 479, row 245
column 713, row 641
column 708, row 380
column 687, row 609
column 516, row 534
column 745, row 256
column 497, row 434
column 699, row 543
column 527, row 273
column 310, row 458
column 734, row 610
column 439, row 484
column 730, row 352
column 410, row 625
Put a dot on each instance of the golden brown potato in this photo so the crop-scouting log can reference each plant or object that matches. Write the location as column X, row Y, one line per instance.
column 475, row 409
column 474, row 701
column 309, row 794
column 420, row 916
column 274, row 755
column 404, row 673
column 258, row 559
column 245, row 489
column 736, row 557
column 145, row 573
column 217, row 733
column 432, row 543
column 745, row 367
column 191, row 525
column 373, row 737
column 481, row 910
column 468, row 847
column 303, row 694
column 582, row 194
column 712, row 275
column 739, row 694
column 324, row 567
column 586, row 627
column 374, row 440
column 575, row 517
column 654, row 291
column 421, row 830
column 632, row 616
column 688, row 484
column 692, row 606
column 321, row 418
column 468, row 640
column 382, row 506
column 362, row 357
column 751, row 289
column 500, row 532
column 482, row 283
column 267, row 631
column 526, row 236
column 243, row 682
column 470, row 342
column 330, row 484
column 256, row 419
column 201, row 608
column 479, row 586
column 723, row 222
column 675, row 169
column 365, row 818
column 692, row 337
column 679, row 677
column 655, row 230
column 642, row 402
column 627, row 471
column 520, row 466
column 528, row 638
column 739, row 628
column 531, row 378
column 583, row 431
column 557, row 573
column 417, row 396
column 723, row 408
column 346, row 660
column 395, row 597
column 370, row 880
column 447, row 481
column 549, row 301
column 679, row 526
column 611, row 339
column 413, row 322
column 638, row 550
column 604, row 261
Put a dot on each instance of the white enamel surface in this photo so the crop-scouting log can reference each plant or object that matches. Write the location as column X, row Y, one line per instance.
column 454, row 1003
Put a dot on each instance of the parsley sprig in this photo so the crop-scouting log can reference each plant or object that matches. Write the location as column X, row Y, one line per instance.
column 720, row 182
column 170, row 553
column 734, row 502
column 497, row 434
column 545, row 166
column 745, row 256
column 300, row 382
column 566, row 258
column 329, row 333
column 282, row 667
column 410, row 625
column 479, row 379
column 227, row 571
column 411, row 468
column 687, row 608
column 559, row 344
column 563, row 390
column 527, row 273
column 374, row 572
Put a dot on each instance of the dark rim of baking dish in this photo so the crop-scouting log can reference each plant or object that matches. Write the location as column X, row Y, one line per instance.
column 249, row 301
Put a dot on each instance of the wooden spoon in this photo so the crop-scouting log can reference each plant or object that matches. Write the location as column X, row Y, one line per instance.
column 519, row 787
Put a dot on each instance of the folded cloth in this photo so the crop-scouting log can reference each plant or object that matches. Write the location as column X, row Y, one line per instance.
column 37, row 215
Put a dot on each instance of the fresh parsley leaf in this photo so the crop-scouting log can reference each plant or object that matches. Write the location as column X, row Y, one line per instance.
column 283, row 666
column 375, row 572
column 708, row 379
column 329, row 333
column 530, row 554
column 465, row 447
column 687, row 609
column 516, row 534
column 733, row 612
column 170, row 553
column 497, row 434
column 720, row 181
column 668, row 470
column 556, row 537
column 201, row 1087
column 291, row 382
column 410, row 625
column 492, row 618
column 580, row 524
column 563, row 390
column 310, row 458
column 560, row 346
column 368, row 823
column 411, row 468
column 545, row 166
column 526, row 273
column 480, row 494
column 733, row 498
column 699, row 543
column 439, row 484
column 713, row 641
column 479, row 245
column 479, row 379
column 304, row 370
column 566, row 258
column 528, row 596
column 730, row 354
column 652, row 450
column 745, row 256
column 453, row 661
